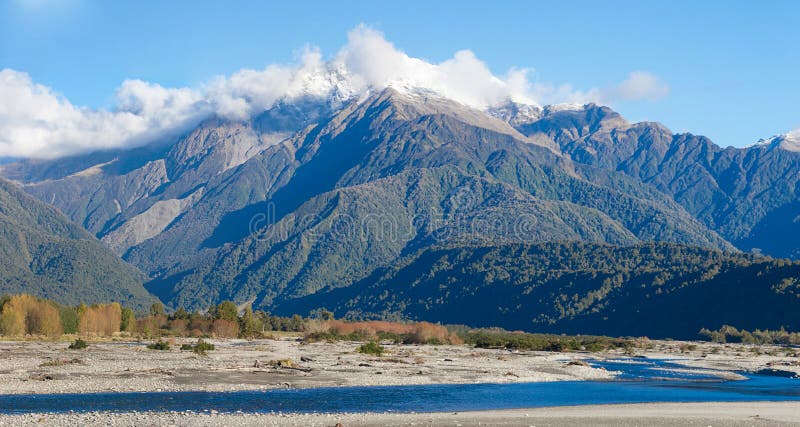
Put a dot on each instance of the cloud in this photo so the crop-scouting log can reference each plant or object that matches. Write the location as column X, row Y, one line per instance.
column 35, row 121
column 641, row 85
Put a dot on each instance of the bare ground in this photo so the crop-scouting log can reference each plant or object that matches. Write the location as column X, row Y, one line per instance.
column 49, row 367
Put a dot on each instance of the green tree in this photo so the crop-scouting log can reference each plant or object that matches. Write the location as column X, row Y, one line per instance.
column 69, row 319
column 264, row 320
column 321, row 314
column 249, row 326
column 157, row 309
column 227, row 310
column 296, row 323
column 128, row 320
column 181, row 314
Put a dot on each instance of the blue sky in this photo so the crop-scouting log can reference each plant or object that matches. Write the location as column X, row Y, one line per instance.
column 732, row 68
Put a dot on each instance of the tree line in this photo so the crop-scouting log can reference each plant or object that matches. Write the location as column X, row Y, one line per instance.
column 24, row 314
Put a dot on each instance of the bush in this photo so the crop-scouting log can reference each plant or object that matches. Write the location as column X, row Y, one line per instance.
column 159, row 345
column 200, row 348
column 486, row 338
column 729, row 334
column 79, row 344
column 409, row 333
column 372, row 348
column 222, row 328
column 428, row 333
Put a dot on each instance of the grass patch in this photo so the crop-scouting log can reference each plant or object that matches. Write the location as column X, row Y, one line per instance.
column 372, row 348
column 79, row 344
column 201, row 347
column 159, row 345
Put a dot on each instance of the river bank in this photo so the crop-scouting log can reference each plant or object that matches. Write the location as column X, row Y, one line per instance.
column 49, row 367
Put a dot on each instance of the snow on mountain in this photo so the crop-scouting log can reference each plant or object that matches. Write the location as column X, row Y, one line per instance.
column 789, row 141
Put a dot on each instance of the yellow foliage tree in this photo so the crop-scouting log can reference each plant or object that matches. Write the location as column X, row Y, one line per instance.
column 26, row 314
column 100, row 319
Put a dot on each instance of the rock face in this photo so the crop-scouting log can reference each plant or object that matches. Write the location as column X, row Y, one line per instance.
column 305, row 198
column 43, row 253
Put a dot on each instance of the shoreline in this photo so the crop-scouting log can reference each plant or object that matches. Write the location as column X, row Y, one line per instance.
column 48, row 367
column 653, row 414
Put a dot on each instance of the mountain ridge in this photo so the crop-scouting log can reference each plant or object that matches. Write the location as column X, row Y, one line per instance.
column 46, row 255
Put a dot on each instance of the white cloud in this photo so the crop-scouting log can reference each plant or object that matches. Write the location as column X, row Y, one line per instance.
column 641, row 85
column 35, row 121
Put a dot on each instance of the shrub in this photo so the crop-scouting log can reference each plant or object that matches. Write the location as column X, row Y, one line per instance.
column 200, row 348
column 178, row 327
column 486, row 338
column 428, row 333
column 79, row 344
column 372, row 348
column 409, row 333
column 150, row 326
column 159, row 345
column 225, row 328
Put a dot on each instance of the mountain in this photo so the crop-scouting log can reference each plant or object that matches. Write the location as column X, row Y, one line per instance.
column 750, row 196
column 656, row 290
column 422, row 169
column 399, row 172
column 43, row 253
column 313, row 198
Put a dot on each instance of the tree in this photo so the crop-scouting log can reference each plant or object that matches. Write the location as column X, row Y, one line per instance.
column 157, row 309
column 227, row 310
column 264, row 320
column 26, row 314
column 249, row 325
column 101, row 319
column 321, row 314
column 296, row 324
column 127, row 320
column 69, row 319
column 180, row 314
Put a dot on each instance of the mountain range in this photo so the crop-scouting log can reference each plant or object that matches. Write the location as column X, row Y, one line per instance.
column 309, row 201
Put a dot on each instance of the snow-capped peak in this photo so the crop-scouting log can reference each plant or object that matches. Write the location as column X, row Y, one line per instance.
column 515, row 113
column 789, row 141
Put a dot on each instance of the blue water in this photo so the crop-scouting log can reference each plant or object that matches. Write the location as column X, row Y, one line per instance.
column 641, row 381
